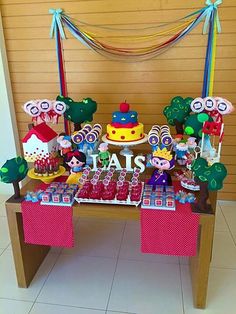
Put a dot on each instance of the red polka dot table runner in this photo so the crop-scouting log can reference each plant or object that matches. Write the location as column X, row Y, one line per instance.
column 170, row 232
column 47, row 225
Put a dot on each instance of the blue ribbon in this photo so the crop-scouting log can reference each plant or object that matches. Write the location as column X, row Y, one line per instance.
column 56, row 22
column 208, row 12
column 207, row 69
column 75, row 31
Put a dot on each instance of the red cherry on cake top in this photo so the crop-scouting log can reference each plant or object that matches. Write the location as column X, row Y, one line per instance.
column 124, row 107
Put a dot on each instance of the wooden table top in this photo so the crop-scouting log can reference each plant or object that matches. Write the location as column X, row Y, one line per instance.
column 95, row 210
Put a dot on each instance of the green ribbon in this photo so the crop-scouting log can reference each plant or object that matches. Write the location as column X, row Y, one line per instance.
column 56, row 22
column 211, row 6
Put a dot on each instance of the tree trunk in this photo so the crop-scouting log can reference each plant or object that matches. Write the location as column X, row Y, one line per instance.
column 178, row 127
column 77, row 127
column 16, row 189
column 204, row 194
column 202, row 206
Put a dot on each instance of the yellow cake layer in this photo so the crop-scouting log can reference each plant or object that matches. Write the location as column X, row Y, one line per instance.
column 125, row 134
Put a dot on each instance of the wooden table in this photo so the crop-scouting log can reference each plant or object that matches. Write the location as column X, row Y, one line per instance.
column 28, row 257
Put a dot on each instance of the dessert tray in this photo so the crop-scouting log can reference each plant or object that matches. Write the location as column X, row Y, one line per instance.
column 186, row 181
column 189, row 184
column 118, row 191
column 158, row 197
column 46, row 179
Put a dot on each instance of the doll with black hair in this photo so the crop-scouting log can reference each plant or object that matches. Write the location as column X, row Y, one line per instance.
column 76, row 160
column 162, row 160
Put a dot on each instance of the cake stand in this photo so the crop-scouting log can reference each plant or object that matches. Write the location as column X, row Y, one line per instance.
column 125, row 151
column 47, row 179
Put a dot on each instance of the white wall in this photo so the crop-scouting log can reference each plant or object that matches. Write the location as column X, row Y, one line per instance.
column 9, row 142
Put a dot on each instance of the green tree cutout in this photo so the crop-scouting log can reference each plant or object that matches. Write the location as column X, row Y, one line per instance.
column 210, row 178
column 194, row 124
column 79, row 112
column 13, row 171
column 177, row 112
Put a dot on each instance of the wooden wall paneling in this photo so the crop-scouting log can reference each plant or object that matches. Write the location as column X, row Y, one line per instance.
column 148, row 85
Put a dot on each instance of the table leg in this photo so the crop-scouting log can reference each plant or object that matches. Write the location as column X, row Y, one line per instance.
column 200, row 264
column 27, row 257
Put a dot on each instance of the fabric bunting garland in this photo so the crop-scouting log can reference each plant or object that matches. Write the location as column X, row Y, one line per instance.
column 136, row 47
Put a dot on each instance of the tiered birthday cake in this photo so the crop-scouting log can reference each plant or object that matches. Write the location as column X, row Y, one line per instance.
column 125, row 126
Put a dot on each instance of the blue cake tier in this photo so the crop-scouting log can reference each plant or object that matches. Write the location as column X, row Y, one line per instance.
column 125, row 117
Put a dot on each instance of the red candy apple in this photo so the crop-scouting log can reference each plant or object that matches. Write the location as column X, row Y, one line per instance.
column 124, row 107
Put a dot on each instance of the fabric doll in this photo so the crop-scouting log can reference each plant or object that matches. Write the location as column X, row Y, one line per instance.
column 162, row 160
column 104, row 155
column 76, row 160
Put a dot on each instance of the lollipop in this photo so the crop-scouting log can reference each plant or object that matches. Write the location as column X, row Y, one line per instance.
column 59, row 107
column 210, row 103
column 45, row 105
column 165, row 127
column 81, row 181
column 153, row 139
column 98, row 127
column 85, row 131
column 197, row 105
column 120, row 183
column 93, row 182
column 87, row 128
column 122, row 174
column 78, row 137
column 156, row 127
column 224, row 106
column 91, row 137
column 134, row 182
column 153, row 132
column 97, row 173
column 166, row 140
column 121, row 178
column 96, row 131
column 96, row 177
column 135, row 175
column 28, row 104
column 105, row 182
column 87, row 170
column 109, row 174
column 32, row 108
column 84, row 176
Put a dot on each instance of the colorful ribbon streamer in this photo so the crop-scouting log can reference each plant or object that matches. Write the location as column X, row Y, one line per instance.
column 209, row 15
column 212, row 7
column 93, row 41
column 57, row 23
column 58, row 31
column 212, row 23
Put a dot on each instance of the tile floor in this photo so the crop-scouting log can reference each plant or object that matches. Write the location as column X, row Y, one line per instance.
column 105, row 273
